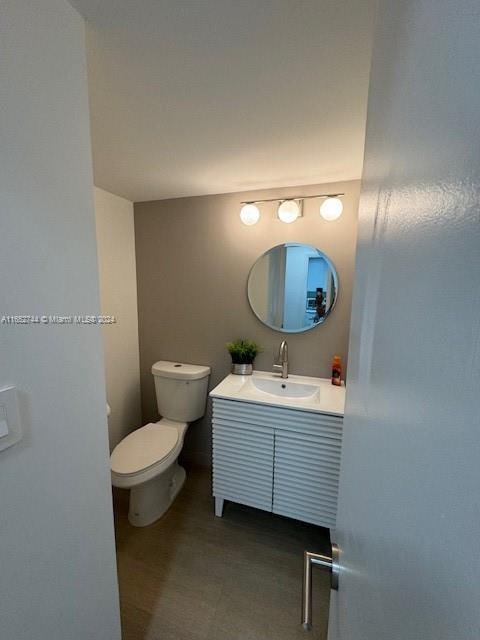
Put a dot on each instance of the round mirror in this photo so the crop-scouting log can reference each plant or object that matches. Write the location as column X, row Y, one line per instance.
column 292, row 287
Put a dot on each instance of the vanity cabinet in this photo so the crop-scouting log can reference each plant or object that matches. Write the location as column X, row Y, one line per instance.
column 243, row 463
column 277, row 459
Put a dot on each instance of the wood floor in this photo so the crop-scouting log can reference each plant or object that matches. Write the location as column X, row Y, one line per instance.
column 192, row 576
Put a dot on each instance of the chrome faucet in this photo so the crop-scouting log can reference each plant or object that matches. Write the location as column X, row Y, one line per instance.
column 281, row 363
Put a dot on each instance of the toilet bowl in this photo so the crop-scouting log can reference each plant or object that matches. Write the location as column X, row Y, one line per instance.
column 146, row 461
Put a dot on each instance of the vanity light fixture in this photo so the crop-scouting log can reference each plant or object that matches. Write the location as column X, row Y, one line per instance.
column 249, row 214
column 290, row 209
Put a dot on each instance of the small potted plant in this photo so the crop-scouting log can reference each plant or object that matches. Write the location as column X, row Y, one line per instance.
column 243, row 354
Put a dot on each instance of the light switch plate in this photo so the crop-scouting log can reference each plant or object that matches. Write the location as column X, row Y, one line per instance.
column 10, row 427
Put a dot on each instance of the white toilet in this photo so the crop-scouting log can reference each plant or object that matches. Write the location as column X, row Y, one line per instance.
column 146, row 460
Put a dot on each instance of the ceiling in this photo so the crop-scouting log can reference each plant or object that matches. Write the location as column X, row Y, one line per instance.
column 192, row 97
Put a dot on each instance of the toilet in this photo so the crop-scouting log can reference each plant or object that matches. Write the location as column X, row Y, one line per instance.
column 146, row 461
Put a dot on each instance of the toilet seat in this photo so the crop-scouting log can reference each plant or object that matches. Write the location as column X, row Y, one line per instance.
column 144, row 448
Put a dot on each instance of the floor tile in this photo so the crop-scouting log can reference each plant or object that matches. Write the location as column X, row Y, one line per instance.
column 192, row 576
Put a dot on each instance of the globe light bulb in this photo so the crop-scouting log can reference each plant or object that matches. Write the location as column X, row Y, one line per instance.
column 331, row 209
column 249, row 214
column 288, row 211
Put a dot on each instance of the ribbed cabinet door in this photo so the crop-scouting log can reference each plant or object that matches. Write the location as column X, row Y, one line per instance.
column 306, row 473
column 242, row 462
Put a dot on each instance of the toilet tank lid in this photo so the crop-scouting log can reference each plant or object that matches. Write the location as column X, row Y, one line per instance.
column 180, row 370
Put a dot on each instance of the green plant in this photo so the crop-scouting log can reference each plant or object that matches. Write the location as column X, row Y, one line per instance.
column 243, row 351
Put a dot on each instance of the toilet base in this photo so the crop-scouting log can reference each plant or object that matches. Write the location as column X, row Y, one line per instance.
column 150, row 500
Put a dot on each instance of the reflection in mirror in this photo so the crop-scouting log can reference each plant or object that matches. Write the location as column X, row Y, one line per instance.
column 292, row 287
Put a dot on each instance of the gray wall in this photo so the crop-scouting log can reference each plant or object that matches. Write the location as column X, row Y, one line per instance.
column 58, row 575
column 193, row 260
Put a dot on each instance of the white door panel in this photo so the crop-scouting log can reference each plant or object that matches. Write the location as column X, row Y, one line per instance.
column 408, row 521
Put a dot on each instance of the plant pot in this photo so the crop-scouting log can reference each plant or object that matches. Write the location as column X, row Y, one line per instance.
column 242, row 369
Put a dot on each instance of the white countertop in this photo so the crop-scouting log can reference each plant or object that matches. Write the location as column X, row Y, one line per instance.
column 324, row 398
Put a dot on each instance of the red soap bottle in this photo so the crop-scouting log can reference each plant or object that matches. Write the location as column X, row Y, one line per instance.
column 337, row 371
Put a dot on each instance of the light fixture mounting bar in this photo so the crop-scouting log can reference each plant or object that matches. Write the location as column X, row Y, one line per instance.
column 319, row 195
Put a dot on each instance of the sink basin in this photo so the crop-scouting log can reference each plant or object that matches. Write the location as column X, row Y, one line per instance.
column 304, row 393
column 284, row 388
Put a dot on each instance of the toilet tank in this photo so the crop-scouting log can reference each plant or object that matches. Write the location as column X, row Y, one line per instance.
column 181, row 390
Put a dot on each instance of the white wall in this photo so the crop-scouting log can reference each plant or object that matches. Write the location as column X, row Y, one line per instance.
column 296, row 274
column 58, row 572
column 118, row 296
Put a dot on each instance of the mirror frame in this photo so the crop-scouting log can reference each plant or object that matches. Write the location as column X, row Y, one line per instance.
column 335, row 279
